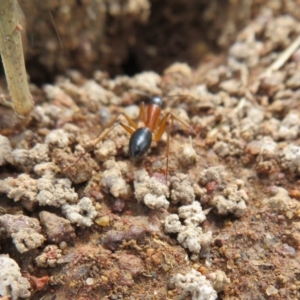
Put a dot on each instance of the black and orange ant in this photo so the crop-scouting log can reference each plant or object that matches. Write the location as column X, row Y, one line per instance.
column 142, row 137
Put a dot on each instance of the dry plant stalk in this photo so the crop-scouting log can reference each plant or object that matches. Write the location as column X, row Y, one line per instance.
column 283, row 57
column 11, row 50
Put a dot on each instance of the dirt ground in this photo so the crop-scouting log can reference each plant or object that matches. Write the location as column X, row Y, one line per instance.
column 223, row 222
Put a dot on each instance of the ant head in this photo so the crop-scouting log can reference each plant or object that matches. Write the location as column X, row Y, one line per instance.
column 156, row 100
column 150, row 100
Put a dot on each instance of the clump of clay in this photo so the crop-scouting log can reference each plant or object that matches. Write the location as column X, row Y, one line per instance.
column 46, row 168
column 267, row 149
column 25, row 231
column 23, row 188
column 289, row 127
column 105, row 150
column 192, row 214
column 290, row 158
column 12, row 283
column 246, row 50
column 27, row 159
column 55, row 94
column 55, row 192
column 58, row 229
column 181, row 189
column 145, row 82
column 81, row 213
column 150, row 190
column 112, row 180
column 5, row 151
column 216, row 174
column 186, row 154
column 232, row 201
column 281, row 202
column 196, row 285
column 46, row 115
column 267, row 155
column 63, row 137
column 49, row 257
column 96, row 94
column 77, row 172
column 190, row 235
column 193, row 238
column 218, row 280
column 46, row 190
column 172, row 224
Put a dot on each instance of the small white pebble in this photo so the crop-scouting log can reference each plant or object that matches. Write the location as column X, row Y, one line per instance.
column 271, row 290
column 186, row 154
column 63, row 245
column 132, row 111
column 89, row 281
column 240, row 183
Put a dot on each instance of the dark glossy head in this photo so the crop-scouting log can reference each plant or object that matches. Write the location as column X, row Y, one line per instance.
column 156, row 100
column 140, row 142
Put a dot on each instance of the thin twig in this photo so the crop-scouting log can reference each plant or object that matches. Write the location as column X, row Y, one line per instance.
column 56, row 31
column 283, row 57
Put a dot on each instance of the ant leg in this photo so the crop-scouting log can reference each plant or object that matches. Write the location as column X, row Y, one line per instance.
column 111, row 125
column 128, row 119
column 168, row 150
column 165, row 126
column 173, row 117
column 164, row 123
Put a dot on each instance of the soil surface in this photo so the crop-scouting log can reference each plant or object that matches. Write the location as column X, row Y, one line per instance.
column 220, row 221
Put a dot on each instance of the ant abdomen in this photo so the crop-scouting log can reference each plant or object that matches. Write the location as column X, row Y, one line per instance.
column 140, row 142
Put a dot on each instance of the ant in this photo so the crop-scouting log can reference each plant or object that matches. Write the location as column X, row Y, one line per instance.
column 142, row 137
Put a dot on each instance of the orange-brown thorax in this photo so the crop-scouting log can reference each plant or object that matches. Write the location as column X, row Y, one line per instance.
column 153, row 113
